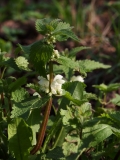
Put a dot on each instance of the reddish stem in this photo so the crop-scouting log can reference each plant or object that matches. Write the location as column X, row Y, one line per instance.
column 42, row 128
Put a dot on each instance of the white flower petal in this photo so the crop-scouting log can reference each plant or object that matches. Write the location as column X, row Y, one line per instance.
column 60, row 81
column 58, row 77
column 77, row 78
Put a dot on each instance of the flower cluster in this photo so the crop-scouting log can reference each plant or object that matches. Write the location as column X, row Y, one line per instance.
column 50, row 39
column 22, row 62
column 56, row 85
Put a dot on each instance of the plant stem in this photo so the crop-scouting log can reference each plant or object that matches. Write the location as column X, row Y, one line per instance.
column 2, row 74
column 42, row 128
column 41, row 134
column 104, row 100
column 51, row 74
column 2, row 95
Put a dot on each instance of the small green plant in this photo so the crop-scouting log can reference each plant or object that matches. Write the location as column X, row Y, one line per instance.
column 71, row 131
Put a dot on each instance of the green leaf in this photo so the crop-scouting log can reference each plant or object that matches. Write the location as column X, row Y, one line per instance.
column 115, row 116
column 58, row 69
column 116, row 100
column 67, row 62
column 56, row 153
column 67, row 34
column 25, row 49
column 19, row 95
column 89, row 96
column 40, row 53
column 83, row 66
column 5, row 46
column 46, row 25
column 83, row 112
column 22, row 63
column 36, row 87
column 75, row 89
column 34, row 122
column 108, row 88
column 18, row 83
column 90, row 65
column 93, row 135
column 67, row 115
column 11, row 63
column 20, row 137
column 71, row 145
column 61, row 30
column 73, row 52
column 75, row 101
column 62, row 26
column 25, row 106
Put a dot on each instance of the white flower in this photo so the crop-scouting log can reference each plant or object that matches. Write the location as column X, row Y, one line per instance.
column 44, row 84
column 55, row 54
column 77, row 78
column 56, row 88
column 58, row 79
column 22, row 62
column 56, row 85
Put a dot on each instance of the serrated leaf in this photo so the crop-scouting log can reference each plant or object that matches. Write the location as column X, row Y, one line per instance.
column 69, row 148
column 71, row 145
column 34, row 86
column 90, row 65
column 73, row 52
column 20, row 137
column 85, row 111
column 67, row 34
column 40, row 53
column 25, row 106
column 116, row 100
column 19, row 95
column 22, row 63
column 62, row 26
column 67, row 62
column 46, row 25
column 18, row 83
column 61, row 30
column 89, row 96
column 115, row 116
column 67, row 115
